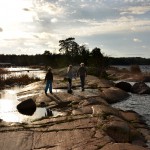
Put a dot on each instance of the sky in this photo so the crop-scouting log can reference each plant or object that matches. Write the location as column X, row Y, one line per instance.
column 120, row 28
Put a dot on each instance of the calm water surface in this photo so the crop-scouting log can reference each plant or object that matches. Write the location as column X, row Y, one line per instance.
column 140, row 104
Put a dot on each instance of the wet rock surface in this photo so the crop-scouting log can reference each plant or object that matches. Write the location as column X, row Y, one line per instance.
column 87, row 122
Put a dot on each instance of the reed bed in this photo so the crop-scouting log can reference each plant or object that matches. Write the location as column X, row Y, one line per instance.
column 16, row 80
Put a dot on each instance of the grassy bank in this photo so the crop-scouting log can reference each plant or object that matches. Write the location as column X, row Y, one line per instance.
column 16, row 80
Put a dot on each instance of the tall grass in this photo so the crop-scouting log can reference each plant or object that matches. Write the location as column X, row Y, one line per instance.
column 16, row 80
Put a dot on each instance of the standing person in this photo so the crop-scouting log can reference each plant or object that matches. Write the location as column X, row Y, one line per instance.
column 69, row 77
column 49, row 80
column 82, row 73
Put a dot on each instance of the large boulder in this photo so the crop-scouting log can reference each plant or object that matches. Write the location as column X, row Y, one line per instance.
column 140, row 88
column 27, row 107
column 124, row 86
column 113, row 95
column 121, row 131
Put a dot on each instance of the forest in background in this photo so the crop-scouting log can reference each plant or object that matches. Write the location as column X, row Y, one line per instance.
column 71, row 52
column 60, row 60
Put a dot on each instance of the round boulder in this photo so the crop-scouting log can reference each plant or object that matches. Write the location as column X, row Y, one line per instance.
column 27, row 107
column 140, row 88
column 124, row 86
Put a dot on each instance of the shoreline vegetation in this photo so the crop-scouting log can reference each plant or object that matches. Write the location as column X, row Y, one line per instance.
column 18, row 80
column 111, row 73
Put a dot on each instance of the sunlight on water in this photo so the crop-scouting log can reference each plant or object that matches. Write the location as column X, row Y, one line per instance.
column 17, row 71
column 9, row 112
column 8, row 104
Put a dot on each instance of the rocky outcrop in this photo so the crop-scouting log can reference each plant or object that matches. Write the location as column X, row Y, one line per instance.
column 87, row 121
column 137, row 88
column 113, row 94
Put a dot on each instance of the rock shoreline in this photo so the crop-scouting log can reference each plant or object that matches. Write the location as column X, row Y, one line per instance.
column 87, row 122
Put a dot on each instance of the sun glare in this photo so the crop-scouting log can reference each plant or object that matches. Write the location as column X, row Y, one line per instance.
column 13, row 11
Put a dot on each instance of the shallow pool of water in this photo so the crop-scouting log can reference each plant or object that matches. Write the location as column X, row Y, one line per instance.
column 9, row 112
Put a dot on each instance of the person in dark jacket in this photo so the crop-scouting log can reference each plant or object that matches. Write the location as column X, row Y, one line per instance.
column 82, row 73
column 49, row 80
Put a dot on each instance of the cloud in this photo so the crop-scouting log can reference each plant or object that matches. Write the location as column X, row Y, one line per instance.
column 47, row 8
column 136, row 1
column 1, row 30
column 54, row 20
column 135, row 10
column 119, row 25
column 137, row 40
column 84, row 18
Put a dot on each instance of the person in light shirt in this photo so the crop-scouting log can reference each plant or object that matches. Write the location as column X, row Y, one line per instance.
column 70, row 75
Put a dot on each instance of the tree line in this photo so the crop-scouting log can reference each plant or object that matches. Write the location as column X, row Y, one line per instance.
column 71, row 52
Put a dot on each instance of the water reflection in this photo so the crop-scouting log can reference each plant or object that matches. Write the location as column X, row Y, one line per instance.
column 25, row 71
column 9, row 112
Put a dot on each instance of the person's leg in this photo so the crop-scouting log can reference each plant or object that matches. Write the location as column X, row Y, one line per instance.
column 50, row 86
column 46, row 87
column 69, row 85
column 82, row 78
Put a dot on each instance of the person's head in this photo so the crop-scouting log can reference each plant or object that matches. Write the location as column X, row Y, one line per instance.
column 49, row 69
column 82, row 64
column 69, row 67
